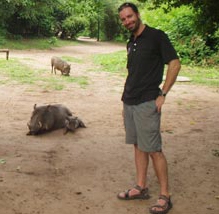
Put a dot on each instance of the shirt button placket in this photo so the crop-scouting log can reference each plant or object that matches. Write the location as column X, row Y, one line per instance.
column 135, row 44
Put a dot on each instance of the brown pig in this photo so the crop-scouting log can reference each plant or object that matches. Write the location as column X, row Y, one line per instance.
column 61, row 65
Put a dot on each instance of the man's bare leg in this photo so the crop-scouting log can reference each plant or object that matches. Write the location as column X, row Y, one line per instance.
column 160, row 167
column 141, row 164
column 161, row 170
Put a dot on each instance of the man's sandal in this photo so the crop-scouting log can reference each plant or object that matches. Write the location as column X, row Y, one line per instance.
column 164, row 209
column 143, row 194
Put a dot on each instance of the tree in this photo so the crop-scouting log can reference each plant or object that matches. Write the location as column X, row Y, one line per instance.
column 66, row 18
column 27, row 17
column 207, row 16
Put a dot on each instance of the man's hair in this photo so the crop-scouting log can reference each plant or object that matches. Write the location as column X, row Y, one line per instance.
column 128, row 4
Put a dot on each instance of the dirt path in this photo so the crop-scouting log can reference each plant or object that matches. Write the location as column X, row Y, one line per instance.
column 82, row 172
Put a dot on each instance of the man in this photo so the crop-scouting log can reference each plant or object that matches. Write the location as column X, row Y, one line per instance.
column 148, row 51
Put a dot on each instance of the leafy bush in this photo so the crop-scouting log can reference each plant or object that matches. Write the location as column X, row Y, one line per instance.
column 216, row 37
column 2, row 40
column 110, row 24
column 52, row 40
column 179, row 24
column 72, row 26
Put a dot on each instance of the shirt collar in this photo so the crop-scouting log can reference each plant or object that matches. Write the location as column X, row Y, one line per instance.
column 142, row 33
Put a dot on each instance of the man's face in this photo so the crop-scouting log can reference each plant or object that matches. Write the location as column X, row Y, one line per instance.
column 130, row 19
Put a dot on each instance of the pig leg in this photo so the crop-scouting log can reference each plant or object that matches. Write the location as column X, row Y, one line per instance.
column 52, row 69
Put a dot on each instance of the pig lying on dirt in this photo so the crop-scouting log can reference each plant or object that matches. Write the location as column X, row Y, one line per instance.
column 51, row 117
column 61, row 65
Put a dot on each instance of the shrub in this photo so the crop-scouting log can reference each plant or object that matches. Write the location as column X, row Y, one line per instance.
column 52, row 40
column 179, row 24
column 72, row 26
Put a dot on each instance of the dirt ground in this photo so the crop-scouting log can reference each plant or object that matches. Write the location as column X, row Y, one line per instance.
column 82, row 172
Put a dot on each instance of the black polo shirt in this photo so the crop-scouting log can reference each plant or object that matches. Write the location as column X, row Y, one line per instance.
column 146, row 57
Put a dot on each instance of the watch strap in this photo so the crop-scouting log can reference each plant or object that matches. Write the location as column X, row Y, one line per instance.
column 162, row 93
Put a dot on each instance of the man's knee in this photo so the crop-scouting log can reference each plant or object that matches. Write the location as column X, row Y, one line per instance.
column 155, row 155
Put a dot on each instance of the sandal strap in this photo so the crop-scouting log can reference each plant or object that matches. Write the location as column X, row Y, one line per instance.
column 140, row 189
column 165, row 207
column 167, row 202
column 160, row 206
column 165, row 198
column 137, row 187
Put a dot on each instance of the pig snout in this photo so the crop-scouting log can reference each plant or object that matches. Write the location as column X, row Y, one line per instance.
column 34, row 128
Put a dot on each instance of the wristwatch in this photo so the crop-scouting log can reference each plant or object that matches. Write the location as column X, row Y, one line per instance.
column 161, row 93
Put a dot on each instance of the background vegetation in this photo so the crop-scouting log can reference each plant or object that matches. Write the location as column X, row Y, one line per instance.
column 192, row 25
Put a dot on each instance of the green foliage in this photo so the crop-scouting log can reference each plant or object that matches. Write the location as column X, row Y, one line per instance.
column 216, row 38
column 27, row 17
column 179, row 24
column 2, row 41
column 193, row 28
column 64, row 18
column 72, row 26
column 205, row 13
column 110, row 25
column 74, row 13
column 53, row 40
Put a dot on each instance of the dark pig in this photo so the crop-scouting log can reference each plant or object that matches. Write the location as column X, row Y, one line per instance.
column 48, row 118
column 72, row 123
column 61, row 65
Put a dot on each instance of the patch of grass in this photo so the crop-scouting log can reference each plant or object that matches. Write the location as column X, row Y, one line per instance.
column 59, row 82
column 14, row 71
column 201, row 75
column 116, row 63
column 42, row 44
column 72, row 59
column 82, row 81
column 113, row 62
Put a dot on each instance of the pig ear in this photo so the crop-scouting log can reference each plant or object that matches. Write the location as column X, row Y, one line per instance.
column 34, row 107
column 48, row 107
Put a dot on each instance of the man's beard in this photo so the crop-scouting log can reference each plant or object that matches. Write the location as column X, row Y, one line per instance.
column 136, row 27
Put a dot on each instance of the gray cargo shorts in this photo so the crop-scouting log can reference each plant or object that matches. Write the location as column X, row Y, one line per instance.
column 142, row 126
